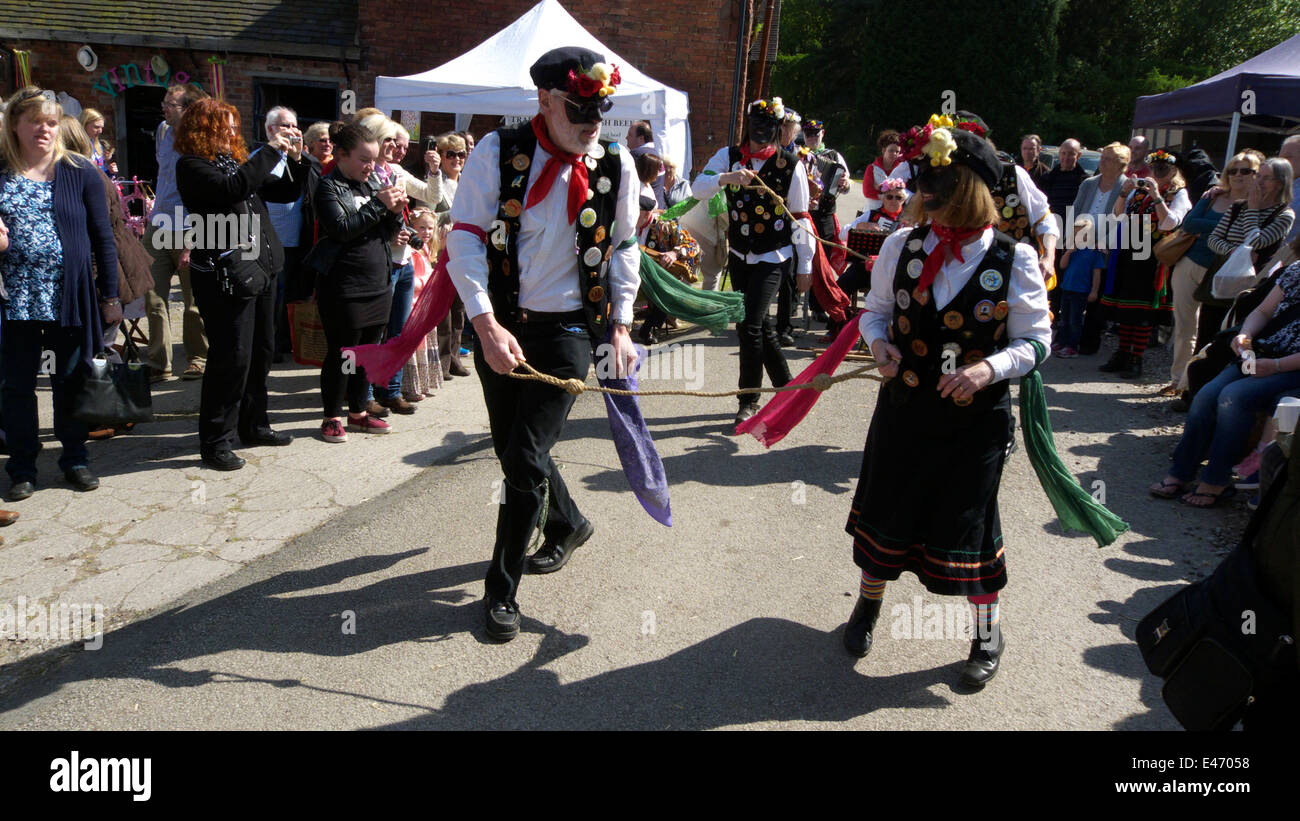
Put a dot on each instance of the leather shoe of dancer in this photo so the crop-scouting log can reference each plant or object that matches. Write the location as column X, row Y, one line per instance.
column 747, row 410
column 502, row 619
column 982, row 665
column 857, row 633
column 552, row 556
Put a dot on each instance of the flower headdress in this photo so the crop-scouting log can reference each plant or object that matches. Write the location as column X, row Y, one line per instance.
column 1161, row 155
column 814, row 125
column 892, row 184
column 772, row 108
column 597, row 81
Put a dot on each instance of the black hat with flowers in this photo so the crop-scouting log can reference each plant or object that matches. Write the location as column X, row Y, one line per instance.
column 581, row 72
column 943, row 141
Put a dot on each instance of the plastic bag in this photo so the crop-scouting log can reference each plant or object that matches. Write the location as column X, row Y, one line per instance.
column 1237, row 273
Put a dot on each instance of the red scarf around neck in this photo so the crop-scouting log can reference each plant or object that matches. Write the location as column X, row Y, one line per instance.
column 554, row 164
column 950, row 239
column 765, row 153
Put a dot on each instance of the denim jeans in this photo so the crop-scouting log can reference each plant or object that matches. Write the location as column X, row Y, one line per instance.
column 1073, row 304
column 1221, row 417
column 21, row 355
column 403, row 286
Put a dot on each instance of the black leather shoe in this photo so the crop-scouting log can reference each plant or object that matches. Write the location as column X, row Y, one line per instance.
column 786, row 339
column 550, row 557
column 857, row 633
column 21, row 490
column 223, row 460
column 746, row 410
column 982, row 664
column 1117, row 362
column 1133, row 369
column 502, row 619
column 81, row 479
column 265, row 436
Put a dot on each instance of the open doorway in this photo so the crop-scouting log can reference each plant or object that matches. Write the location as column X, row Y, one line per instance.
column 138, row 113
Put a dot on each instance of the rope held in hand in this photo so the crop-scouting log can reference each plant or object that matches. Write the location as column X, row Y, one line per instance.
column 762, row 186
column 820, row 382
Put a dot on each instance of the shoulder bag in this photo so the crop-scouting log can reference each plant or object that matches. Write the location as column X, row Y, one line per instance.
column 111, row 394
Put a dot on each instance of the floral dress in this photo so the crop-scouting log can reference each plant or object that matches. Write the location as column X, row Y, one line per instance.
column 32, row 269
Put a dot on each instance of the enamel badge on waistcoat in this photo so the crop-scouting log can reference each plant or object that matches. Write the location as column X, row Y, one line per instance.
column 1013, row 212
column 593, row 229
column 759, row 225
column 965, row 331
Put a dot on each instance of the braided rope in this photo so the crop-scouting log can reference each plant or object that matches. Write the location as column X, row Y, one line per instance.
column 820, row 382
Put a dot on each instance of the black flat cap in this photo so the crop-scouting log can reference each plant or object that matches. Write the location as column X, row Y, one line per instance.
column 551, row 71
column 978, row 155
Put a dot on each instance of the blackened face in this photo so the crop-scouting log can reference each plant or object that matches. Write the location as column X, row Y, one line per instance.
column 936, row 185
column 762, row 130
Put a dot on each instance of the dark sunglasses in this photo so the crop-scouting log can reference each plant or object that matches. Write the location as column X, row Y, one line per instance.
column 587, row 112
column 1232, row 172
column 893, row 197
column 461, row 154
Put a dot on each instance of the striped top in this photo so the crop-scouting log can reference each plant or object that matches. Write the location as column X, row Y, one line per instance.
column 1229, row 234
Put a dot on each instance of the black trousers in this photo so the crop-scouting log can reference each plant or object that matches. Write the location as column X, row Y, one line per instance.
column 348, row 322
column 287, row 289
column 759, row 347
column 785, row 299
column 527, row 419
column 241, row 342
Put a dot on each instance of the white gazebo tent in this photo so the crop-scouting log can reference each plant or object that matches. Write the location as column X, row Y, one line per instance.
column 492, row 78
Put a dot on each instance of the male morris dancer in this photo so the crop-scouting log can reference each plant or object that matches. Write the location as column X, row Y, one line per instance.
column 528, row 197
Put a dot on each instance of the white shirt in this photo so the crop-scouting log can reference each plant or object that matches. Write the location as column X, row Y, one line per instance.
column 549, row 275
column 1040, row 212
column 796, row 199
column 1026, row 297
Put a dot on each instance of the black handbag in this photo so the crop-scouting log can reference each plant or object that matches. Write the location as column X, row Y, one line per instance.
column 111, row 394
column 236, row 276
column 1219, row 640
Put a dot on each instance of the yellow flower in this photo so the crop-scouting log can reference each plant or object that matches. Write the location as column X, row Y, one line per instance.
column 599, row 71
column 940, row 147
column 941, row 121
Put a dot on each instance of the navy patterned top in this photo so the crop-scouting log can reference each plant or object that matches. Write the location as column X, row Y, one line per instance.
column 33, row 267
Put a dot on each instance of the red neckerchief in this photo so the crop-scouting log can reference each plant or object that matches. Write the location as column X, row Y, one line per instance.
column 554, row 164
column 894, row 216
column 950, row 239
column 765, row 153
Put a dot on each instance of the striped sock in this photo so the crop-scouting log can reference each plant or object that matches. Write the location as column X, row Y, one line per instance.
column 872, row 588
column 1141, row 338
column 986, row 612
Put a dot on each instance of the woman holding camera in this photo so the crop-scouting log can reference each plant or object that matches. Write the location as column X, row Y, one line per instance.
column 1139, row 290
column 353, row 259
column 233, row 276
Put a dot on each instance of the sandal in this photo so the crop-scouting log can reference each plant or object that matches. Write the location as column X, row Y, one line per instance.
column 1169, row 390
column 1214, row 498
column 1168, row 489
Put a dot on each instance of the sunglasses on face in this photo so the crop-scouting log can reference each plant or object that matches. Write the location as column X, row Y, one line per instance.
column 1232, row 172
column 455, row 155
column 894, row 197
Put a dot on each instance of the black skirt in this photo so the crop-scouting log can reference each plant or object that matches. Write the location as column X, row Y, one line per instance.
column 927, row 496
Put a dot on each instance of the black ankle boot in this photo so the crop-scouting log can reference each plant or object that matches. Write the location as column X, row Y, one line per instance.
column 985, row 655
column 1133, row 369
column 857, row 633
column 1117, row 362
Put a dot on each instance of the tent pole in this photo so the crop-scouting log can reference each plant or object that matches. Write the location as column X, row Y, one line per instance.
column 741, row 77
column 1232, row 137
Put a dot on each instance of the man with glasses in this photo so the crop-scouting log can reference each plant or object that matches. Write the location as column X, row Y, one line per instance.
column 288, row 197
column 529, row 196
column 171, row 258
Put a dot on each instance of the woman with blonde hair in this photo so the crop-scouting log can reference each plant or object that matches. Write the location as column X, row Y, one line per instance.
column 53, row 222
column 93, row 123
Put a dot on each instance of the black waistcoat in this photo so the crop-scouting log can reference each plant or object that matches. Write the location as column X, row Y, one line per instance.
column 972, row 326
column 592, row 242
column 759, row 225
column 1013, row 212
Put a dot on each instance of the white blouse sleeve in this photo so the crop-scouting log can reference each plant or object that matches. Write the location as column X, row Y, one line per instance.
column 1177, row 210
column 1029, row 318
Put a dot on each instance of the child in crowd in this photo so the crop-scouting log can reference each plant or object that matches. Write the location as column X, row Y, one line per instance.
column 422, row 374
column 1080, row 285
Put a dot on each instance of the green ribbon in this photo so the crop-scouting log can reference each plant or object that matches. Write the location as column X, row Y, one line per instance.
column 1074, row 506
column 717, row 204
column 714, row 310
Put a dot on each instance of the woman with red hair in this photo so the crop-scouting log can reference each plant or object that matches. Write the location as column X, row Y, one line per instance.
column 233, row 267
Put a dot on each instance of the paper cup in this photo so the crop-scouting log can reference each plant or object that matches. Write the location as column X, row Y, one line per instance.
column 1287, row 413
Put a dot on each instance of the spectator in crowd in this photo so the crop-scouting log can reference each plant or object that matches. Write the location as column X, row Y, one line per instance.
column 1080, row 285
column 676, row 187
column 469, row 141
column 1290, row 152
column 217, row 178
column 287, row 197
column 53, row 221
column 166, row 243
column 353, row 259
column 1199, row 171
column 1267, row 210
column 880, row 168
column 1031, row 148
column 1223, row 412
column 1061, row 184
column 390, row 396
column 1096, row 198
column 641, row 140
column 93, row 123
column 133, row 261
column 1139, row 293
column 452, row 151
column 1190, row 333
column 317, row 139
column 1138, row 148
column 422, row 375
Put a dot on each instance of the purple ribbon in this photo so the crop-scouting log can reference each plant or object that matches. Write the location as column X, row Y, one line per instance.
column 636, row 450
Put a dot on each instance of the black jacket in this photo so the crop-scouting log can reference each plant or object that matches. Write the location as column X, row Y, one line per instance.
column 1199, row 172
column 348, row 235
column 206, row 190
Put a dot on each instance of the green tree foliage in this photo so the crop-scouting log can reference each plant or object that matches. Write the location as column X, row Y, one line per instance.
column 1059, row 68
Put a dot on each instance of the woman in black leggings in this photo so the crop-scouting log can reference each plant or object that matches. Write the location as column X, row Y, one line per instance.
column 357, row 222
